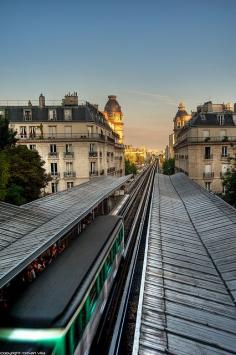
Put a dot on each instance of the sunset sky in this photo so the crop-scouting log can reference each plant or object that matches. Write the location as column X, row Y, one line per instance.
column 151, row 54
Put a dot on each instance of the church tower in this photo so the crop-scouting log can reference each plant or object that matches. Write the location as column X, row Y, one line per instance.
column 114, row 116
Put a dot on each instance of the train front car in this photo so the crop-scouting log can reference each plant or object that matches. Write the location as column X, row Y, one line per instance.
column 60, row 311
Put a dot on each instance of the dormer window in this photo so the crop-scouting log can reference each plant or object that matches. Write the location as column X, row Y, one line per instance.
column 67, row 114
column 221, row 119
column 52, row 114
column 27, row 114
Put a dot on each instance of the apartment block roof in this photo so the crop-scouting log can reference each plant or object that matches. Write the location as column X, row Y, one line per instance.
column 213, row 119
column 79, row 113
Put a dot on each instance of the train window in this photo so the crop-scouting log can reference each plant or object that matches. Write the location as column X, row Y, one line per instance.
column 98, row 284
column 82, row 321
column 72, row 341
column 77, row 333
column 93, row 295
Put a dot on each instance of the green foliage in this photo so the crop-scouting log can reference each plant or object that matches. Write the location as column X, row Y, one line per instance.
column 229, row 182
column 4, row 174
column 26, row 175
column 130, row 168
column 168, row 166
column 21, row 170
column 7, row 136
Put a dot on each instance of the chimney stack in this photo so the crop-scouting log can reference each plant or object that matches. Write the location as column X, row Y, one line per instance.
column 41, row 101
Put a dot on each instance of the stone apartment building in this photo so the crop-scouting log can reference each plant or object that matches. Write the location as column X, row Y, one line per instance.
column 74, row 139
column 204, row 144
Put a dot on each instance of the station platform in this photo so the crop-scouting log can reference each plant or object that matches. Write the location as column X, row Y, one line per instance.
column 188, row 288
column 27, row 231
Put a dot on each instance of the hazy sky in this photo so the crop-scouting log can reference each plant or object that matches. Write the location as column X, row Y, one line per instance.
column 151, row 54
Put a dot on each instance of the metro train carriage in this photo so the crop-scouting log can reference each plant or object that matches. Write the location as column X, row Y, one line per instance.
column 60, row 311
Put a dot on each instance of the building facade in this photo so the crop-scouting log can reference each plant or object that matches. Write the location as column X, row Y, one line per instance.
column 203, row 146
column 74, row 139
column 114, row 117
column 136, row 156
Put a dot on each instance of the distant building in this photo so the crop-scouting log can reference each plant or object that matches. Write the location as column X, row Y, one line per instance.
column 114, row 117
column 135, row 155
column 74, row 139
column 204, row 144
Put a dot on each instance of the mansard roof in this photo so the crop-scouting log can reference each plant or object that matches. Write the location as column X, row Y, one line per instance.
column 213, row 119
column 80, row 113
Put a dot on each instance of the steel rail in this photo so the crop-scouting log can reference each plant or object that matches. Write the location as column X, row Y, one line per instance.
column 144, row 204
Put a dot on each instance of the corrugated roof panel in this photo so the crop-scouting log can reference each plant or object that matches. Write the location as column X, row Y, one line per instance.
column 189, row 277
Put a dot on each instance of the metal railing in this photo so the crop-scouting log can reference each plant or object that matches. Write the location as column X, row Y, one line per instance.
column 207, row 139
column 53, row 154
column 60, row 136
column 93, row 154
column 208, row 156
column 69, row 174
column 68, row 154
column 208, row 175
column 54, row 174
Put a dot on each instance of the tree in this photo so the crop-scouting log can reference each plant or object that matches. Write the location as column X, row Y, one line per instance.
column 22, row 175
column 130, row 168
column 229, row 183
column 168, row 166
column 7, row 136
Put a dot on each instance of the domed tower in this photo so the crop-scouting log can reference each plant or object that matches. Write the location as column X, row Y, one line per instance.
column 181, row 118
column 114, row 116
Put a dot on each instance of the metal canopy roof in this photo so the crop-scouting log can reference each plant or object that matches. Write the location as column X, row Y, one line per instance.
column 27, row 231
column 188, row 286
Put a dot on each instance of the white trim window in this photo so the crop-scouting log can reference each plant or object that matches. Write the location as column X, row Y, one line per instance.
column 23, row 132
column 27, row 114
column 67, row 114
column 52, row 114
column 221, row 119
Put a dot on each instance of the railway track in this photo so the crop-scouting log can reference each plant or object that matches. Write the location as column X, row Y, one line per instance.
column 134, row 212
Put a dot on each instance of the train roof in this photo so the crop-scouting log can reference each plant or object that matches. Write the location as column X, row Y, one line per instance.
column 27, row 231
column 50, row 298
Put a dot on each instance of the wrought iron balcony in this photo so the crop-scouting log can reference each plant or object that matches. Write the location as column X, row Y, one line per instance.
column 69, row 155
column 69, row 174
column 208, row 156
column 62, row 137
column 53, row 154
column 55, row 175
column 208, row 175
column 93, row 154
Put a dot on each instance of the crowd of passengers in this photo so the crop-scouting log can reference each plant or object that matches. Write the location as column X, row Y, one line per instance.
column 38, row 265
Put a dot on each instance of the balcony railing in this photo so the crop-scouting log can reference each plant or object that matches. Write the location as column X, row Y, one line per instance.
column 208, row 156
column 93, row 173
column 225, row 156
column 93, row 154
column 55, row 175
column 69, row 155
column 208, row 175
column 64, row 136
column 53, row 154
column 230, row 139
column 69, row 174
